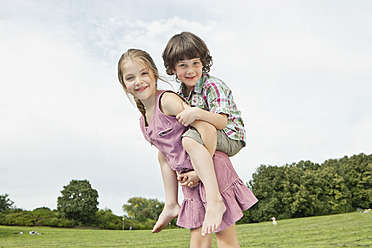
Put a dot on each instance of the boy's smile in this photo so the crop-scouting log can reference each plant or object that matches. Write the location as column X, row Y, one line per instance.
column 189, row 71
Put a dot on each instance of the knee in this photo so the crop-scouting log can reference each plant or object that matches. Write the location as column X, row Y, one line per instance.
column 189, row 143
column 209, row 130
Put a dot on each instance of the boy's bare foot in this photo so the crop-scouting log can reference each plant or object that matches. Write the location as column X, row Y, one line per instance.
column 213, row 217
column 166, row 216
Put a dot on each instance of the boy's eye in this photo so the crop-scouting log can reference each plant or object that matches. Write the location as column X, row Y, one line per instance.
column 196, row 63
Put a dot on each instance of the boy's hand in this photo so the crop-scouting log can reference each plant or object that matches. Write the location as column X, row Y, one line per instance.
column 188, row 115
column 189, row 179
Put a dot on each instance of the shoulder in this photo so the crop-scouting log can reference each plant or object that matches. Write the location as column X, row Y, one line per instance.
column 211, row 82
column 170, row 97
column 171, row 103
column 214, row 87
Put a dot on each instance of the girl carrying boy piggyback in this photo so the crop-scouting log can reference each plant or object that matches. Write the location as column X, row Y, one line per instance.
column 138, row 76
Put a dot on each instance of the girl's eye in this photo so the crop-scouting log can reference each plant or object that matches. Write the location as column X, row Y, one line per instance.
column 145, row 73
column 128, row 78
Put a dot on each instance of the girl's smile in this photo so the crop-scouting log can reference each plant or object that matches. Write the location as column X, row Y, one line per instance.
column 141, row 89
column 139, row 80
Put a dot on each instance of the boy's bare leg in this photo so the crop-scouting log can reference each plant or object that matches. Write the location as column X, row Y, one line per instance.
column 208, row 134
column 171, row 207
column 203, row 165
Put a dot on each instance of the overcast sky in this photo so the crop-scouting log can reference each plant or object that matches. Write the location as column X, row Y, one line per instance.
column 300, row 72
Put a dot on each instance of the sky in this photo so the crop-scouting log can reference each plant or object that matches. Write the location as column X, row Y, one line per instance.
column 300, row 72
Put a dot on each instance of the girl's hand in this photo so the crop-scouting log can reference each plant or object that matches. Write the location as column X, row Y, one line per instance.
column 189, row 179
column 188, row 115
column 181, row 177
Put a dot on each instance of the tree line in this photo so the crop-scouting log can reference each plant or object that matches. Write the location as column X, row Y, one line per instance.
column 294, row 190
column 78, row 206
column 309, row 189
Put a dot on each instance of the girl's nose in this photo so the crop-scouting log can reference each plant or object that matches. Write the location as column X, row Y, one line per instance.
column 138, row 81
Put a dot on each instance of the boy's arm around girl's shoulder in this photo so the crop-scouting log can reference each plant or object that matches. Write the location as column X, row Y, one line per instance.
column 171, row 104
column 218, row 120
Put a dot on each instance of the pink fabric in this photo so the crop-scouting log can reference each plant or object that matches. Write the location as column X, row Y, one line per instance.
column 164, row 132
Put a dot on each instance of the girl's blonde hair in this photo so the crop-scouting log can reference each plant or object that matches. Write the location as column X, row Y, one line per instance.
column 143, row 58
column 186, row 45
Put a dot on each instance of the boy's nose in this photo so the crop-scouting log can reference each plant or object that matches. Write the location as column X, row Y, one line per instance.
column 189, row 70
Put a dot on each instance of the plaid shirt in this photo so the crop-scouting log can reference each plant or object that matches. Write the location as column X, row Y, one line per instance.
column 213, row 95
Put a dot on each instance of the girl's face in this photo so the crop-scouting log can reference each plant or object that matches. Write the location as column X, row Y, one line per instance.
column 139, row 80
column 189, row 71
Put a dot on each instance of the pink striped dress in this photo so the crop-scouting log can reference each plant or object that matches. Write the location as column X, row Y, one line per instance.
column 164, row 132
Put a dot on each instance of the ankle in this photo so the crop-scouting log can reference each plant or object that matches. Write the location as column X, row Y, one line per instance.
column 215, row 199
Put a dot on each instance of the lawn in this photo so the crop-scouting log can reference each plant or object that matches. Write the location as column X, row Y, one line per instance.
column 342, row 230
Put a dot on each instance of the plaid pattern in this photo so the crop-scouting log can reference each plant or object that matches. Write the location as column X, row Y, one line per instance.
column 212, row 94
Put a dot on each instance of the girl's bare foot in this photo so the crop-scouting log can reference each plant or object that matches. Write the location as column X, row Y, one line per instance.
column 166, row 216
column 213, row 217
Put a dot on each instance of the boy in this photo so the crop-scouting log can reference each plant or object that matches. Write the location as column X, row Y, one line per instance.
column 211, row 100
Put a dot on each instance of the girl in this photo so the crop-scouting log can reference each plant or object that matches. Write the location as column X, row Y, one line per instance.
column 138, row 76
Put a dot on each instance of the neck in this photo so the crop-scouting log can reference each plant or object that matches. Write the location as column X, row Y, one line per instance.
column 150, row 102
column 149, row 106
column 187, row 90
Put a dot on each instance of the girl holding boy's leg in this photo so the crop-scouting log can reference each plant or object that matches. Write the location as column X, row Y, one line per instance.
column 138, row 76
column 201, row 160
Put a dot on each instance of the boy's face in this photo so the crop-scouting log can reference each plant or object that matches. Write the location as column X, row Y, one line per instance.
column 189, row 71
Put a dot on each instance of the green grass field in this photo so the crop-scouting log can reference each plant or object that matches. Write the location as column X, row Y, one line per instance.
column 342, row 230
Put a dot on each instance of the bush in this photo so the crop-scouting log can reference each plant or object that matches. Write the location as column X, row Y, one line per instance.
column 107, row 220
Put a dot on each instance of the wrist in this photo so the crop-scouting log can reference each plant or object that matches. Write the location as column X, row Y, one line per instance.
column 198, row 112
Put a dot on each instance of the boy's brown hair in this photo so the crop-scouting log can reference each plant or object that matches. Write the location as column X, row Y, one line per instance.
column 186, row 45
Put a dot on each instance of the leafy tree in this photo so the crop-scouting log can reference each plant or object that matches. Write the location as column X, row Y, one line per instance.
column 335, row 190
column 5, row 202
column 142, row 209
column 78, row 202
column 308, row 189
column 267, row 185
column 143, row 213
column 358, row 177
